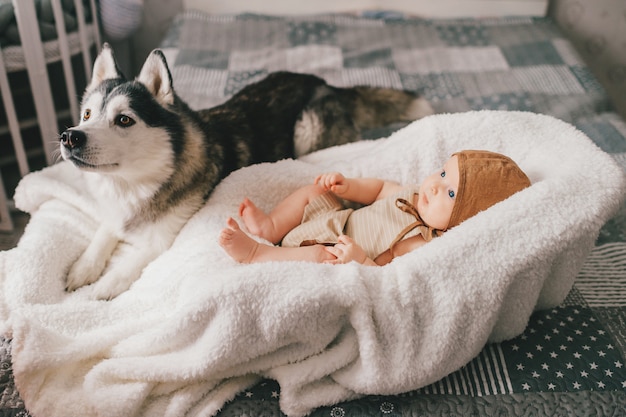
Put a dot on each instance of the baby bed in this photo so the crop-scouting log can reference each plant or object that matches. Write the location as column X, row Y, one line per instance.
column 35, row 37
column 569, row 359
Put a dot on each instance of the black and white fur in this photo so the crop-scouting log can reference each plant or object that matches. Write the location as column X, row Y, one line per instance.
column 151, row 161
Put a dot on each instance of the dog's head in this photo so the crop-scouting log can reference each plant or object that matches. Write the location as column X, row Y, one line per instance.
column 127, row 128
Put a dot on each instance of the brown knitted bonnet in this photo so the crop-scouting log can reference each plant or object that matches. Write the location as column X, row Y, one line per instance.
column 485, row 178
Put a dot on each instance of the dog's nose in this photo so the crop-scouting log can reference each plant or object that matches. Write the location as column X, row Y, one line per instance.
column 73, row 138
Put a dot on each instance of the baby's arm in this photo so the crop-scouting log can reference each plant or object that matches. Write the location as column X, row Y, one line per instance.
column 360, row 190
column 346, row 251
column 407, row 245
column 401, row 248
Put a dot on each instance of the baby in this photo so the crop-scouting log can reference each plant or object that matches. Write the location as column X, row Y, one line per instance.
column 312, row 224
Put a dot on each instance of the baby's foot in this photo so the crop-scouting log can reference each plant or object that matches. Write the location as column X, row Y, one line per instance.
column 256, row 220
column 236, row 243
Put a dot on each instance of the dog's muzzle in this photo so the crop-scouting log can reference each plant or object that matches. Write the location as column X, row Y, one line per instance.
column 73, row 139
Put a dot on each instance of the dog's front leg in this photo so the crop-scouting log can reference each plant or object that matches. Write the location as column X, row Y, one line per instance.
column 88, row 268
column 139, row 248
column 124, row 269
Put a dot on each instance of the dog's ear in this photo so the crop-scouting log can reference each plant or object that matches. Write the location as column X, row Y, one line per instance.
column 155, row 75
column 104, row 68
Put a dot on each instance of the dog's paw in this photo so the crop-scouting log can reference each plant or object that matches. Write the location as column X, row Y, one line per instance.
column 111, row 285
column 84, row 272
column 104, row 293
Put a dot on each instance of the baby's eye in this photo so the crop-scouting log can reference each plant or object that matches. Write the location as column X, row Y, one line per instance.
column 451, row 194
column 86, row 114
column 443, row 174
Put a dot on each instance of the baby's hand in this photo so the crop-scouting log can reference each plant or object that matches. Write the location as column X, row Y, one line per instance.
column 346, row 251
column 332, row 181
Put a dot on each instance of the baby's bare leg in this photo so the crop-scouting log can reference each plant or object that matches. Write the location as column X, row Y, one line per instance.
column 257, row 221
column 285, row 216
column 236, row 243
column 244, row 249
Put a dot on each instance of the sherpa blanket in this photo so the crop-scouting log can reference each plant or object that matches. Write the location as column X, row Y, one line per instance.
column 197, row 327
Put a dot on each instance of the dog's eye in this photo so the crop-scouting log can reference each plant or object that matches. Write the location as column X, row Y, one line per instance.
column 86, row 115
column 124, row 121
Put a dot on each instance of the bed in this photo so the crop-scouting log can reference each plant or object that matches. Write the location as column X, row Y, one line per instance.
column 568, row 358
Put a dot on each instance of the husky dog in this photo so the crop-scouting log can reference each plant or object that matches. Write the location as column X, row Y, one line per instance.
column 151, row 162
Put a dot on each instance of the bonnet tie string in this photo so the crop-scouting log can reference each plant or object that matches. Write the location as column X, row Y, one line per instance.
column 409, row 208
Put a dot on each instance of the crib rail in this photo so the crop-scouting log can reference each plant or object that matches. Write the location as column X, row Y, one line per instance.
column 35, row 56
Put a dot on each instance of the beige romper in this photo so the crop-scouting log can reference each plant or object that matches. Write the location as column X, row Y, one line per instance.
column 375, row 228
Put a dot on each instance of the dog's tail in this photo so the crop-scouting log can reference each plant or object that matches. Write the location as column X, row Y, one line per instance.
column 376, row 107
column 335, row 116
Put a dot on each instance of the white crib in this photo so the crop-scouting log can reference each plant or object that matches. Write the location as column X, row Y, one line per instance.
column 34, row 57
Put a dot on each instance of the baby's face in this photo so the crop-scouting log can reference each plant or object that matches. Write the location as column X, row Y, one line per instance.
column 437, row 195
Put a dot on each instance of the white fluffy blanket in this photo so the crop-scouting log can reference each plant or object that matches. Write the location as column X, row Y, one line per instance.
column 197, row 327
